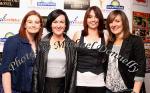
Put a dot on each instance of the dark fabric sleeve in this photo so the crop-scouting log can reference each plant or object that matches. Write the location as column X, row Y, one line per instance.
column 139, row 54
column 35, row 73
column 9, row 54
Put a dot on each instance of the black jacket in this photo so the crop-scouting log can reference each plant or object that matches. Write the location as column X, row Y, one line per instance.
column 41, row 63
column 132, row 61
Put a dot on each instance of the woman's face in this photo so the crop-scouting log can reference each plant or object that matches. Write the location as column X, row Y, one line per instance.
column 92, row 20
column 116, row 26
column 33, row 24
column 59, row 25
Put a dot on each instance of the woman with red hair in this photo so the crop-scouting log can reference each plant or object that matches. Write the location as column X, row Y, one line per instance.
column 19, row 54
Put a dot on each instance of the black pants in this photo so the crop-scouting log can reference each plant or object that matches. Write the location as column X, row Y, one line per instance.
column 54, row 85
column 81, row 89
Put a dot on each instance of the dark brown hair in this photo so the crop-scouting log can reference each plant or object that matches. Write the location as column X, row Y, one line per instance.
column 99, row 15
column 125, row 24
column 53, row 15
column 22, row 30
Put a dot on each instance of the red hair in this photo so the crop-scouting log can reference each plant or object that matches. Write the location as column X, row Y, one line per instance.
column 22, row 30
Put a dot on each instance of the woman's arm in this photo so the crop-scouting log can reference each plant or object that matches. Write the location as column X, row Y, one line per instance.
column 6, row 80
column 9, row 54
column 139, row 54
column 137, row 86
column 106, row 35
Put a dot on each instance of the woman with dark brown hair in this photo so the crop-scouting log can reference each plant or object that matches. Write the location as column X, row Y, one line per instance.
column 55, row 57
column 126, row 63
column 88, row 76
column 19, row 55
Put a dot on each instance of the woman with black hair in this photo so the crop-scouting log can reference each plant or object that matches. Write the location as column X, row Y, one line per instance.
column 55, row 56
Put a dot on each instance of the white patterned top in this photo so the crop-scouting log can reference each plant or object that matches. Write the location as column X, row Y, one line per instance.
column 114, row 81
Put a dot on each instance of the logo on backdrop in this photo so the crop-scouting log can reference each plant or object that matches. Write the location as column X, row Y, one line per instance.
column 9, row 34
column 76, row 21
column 43, row 3
column 46, row 3
column 115, row 4
column 9, row 3
column 9, row 20
column 76, row 4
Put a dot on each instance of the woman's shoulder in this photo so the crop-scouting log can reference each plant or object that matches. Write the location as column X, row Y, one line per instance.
column 45, row 39
column 13, row 37
column 11, row 44
column 13, row 40
column 135, row 36
column 76, row 36
column 136, row 40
